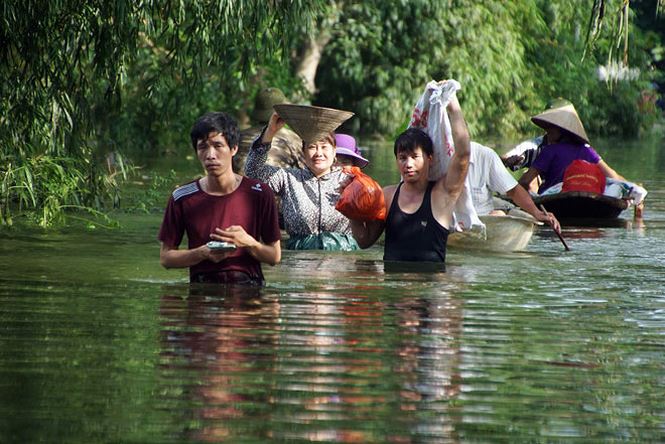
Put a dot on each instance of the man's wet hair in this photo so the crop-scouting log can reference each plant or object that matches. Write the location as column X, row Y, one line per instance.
column 411, row 139
column 215, row 122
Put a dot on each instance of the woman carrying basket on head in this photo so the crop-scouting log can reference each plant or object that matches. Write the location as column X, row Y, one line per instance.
column 308, row 195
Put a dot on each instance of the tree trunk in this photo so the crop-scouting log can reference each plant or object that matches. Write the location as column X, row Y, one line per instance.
column 310, row 58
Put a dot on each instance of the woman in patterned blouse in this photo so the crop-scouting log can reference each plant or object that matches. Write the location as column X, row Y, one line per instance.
column 308, row 195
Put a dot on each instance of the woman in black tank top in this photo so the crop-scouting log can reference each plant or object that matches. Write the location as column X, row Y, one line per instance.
column 414, row 237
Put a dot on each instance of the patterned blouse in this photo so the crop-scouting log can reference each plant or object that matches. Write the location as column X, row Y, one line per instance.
column 307, row 202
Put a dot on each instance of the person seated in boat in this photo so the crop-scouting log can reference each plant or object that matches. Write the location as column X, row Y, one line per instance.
column 487, row 175
column 566, row 141
column 308, row 195
column 348, row 153
column 523, row 155
column 285, row 151
column 221, row 206
column 420, row 211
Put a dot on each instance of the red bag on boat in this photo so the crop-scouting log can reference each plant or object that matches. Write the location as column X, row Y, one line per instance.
column 583, row 176
column 362, row 199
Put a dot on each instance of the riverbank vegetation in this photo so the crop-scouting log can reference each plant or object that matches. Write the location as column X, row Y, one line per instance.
column 88, row 85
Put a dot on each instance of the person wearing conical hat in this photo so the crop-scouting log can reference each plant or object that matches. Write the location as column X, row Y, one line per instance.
column 523, row 155
column 286, row 144
column 308, row 194
column 566, row 141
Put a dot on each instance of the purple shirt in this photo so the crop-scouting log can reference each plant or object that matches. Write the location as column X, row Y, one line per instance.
column 553, row 160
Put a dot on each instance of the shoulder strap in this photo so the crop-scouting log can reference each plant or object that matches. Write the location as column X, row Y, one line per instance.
column 427, row 198
column 395, row 197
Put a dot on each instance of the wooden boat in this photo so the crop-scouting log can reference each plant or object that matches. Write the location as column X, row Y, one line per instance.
column 504, row 234
column 582, row 207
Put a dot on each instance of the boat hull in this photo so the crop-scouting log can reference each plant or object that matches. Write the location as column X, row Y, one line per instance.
column 504, row 234
column 582, row 208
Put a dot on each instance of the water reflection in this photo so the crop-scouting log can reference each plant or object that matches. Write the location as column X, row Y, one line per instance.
column 316, row 366
column 214, row 337
column 355, row 356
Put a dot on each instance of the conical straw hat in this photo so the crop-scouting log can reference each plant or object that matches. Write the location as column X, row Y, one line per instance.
column 312, row 123
column 564, row 117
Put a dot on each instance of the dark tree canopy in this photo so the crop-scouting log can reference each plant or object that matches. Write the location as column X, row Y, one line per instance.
column 89, row 83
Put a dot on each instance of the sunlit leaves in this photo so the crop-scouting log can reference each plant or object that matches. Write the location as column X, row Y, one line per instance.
column 511, row 58
column 383, row 55
column 66, row 67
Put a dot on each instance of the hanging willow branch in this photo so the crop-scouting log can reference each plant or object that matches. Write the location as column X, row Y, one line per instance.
column 595, row 25
column 63, row 64
column 620, row 30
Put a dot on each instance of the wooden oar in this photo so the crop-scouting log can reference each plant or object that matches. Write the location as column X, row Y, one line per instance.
column 563, row 241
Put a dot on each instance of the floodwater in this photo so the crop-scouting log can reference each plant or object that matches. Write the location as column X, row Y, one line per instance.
column 99, row 344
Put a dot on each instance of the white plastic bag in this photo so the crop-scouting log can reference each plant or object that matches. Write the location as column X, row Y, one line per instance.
column 625, row 190
column 431, row 116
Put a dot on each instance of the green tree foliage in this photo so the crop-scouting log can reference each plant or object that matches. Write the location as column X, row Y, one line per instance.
column 68, row 65
column 86, row 83
column 385, row 52
column 487, row 54
column 511, row 58
column 610, row 107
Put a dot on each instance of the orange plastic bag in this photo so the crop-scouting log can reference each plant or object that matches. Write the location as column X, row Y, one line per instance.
column 583, row 176
column 362, row 199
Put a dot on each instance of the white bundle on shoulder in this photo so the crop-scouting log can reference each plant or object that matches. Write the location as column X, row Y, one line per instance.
column 431, row 116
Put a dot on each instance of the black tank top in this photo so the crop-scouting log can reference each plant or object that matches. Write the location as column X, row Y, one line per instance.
column 414, row 237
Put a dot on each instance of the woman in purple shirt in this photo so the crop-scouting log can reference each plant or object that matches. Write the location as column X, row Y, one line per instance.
column 567, row 141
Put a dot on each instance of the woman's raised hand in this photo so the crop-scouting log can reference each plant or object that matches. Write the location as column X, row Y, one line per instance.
column 275, row 124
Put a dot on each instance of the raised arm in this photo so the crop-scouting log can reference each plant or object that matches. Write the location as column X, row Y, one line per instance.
column 459, row 164
column 256, row 166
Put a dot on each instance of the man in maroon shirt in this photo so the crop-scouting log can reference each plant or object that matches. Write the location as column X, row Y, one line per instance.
column 221, row 206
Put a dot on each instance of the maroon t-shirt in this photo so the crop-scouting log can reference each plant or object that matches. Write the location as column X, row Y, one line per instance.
column 191, row 210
